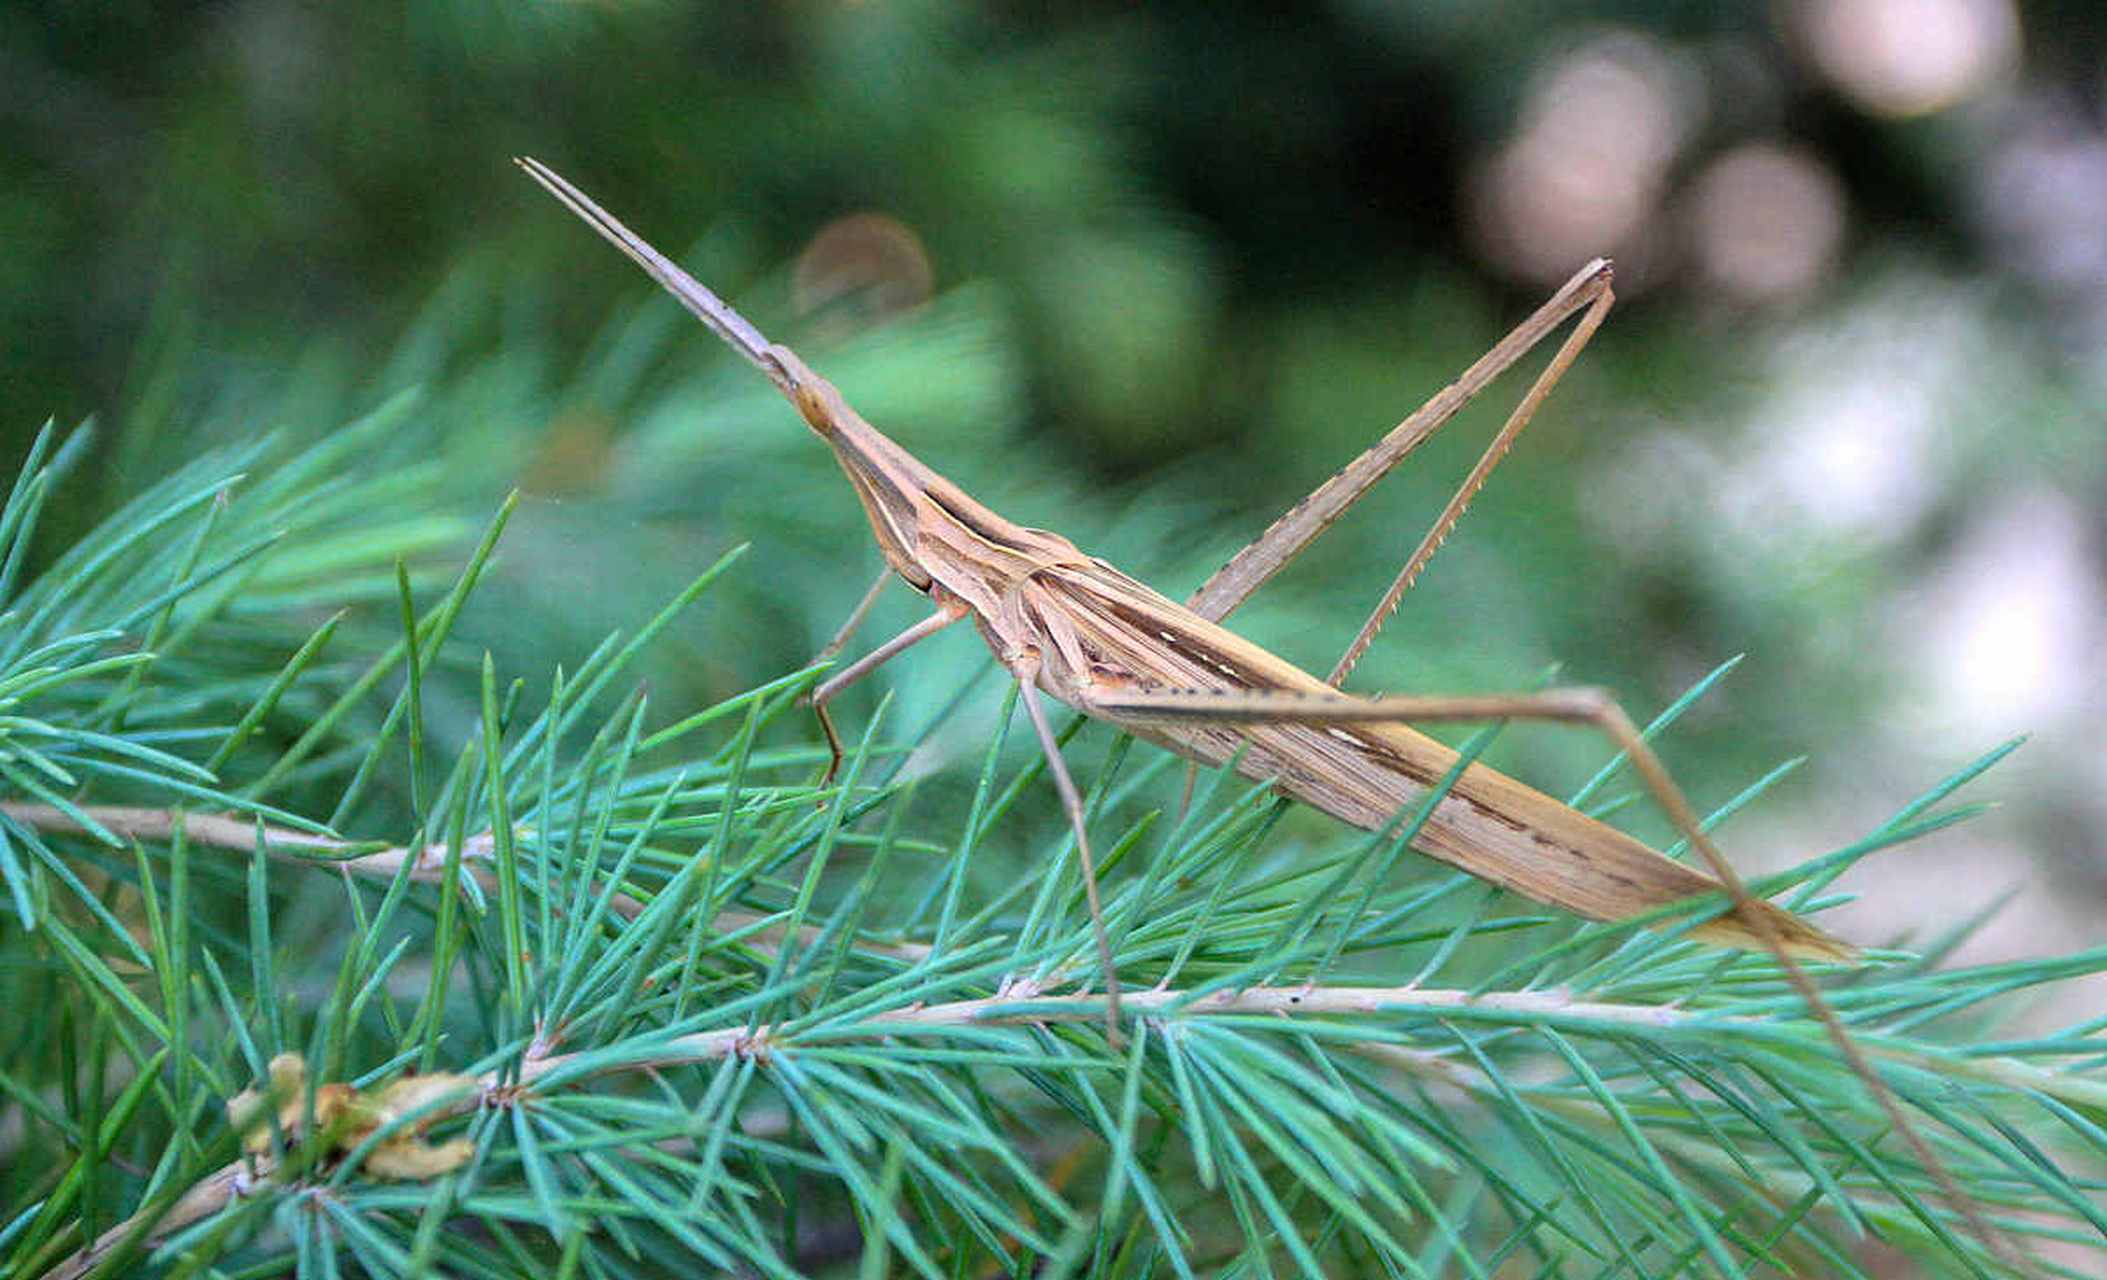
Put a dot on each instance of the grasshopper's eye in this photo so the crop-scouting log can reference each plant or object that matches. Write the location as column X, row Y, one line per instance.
column 816, row 399
column 814, row 407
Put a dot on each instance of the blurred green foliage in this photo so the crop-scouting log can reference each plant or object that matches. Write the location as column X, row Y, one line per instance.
column 1186, row 260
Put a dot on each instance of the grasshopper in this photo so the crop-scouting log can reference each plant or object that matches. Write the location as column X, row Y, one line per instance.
column 1069, row 625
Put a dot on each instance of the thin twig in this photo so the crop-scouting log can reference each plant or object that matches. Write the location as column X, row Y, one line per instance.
column 428, row 864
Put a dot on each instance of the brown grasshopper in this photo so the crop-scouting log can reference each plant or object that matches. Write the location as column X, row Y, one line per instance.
column 1111, row 647
column 1068, row 624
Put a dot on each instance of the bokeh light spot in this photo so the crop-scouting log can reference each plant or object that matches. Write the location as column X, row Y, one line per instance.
column 2011, row 625
column 1765, row 221
column 870, row 260
column 1911, row 57
column 1583, row 174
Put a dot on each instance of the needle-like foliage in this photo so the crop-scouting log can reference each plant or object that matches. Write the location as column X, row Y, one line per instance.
column 684, row 1009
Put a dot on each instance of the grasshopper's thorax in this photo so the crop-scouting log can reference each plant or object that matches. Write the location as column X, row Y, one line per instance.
column 930, row 531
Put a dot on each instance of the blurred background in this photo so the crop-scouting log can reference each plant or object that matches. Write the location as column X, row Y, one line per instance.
column 1147, row 274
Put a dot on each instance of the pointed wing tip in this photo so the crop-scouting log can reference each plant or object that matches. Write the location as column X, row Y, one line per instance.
column 1803, row 940
column 1813, row 944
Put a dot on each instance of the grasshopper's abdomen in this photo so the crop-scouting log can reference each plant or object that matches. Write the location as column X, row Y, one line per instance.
column 1501, row 830
column 1110, row 634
